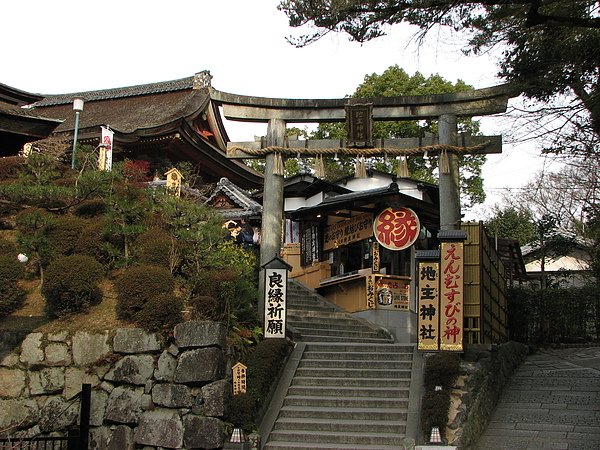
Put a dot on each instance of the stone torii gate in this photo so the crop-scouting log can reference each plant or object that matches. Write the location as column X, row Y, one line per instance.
column 278, row 112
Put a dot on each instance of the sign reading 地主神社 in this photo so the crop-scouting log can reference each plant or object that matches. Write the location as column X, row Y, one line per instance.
column 451, row 295
column 396, row 228
column 429, row 305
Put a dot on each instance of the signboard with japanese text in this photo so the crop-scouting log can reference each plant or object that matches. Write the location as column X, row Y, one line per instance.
column 428, row 305
column 376, row 265
column 451, row 296
column 275, row 303
column 370, row 288
column 396, row 228
column 239, row 372
column 354, row 229
column 392, row 293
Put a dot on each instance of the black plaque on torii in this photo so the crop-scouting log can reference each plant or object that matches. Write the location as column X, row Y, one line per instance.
column 359, row 124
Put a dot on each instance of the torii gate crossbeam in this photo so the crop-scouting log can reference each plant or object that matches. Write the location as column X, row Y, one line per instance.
column 277, row 112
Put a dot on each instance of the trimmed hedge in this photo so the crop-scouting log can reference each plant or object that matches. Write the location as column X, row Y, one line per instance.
column 64, row 233
column 154, row 247
column 160, row 312
column 441, row 369
column 12, row 296
column 71, row 284
column 137, row 285
column 8, row 247
column 264, row 365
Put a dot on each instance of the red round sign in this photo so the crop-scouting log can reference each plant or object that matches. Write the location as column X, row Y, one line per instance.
column 396, row 228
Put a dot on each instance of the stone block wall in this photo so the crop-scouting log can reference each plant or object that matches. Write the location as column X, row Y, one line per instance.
column 478, row 389
column 146, row 392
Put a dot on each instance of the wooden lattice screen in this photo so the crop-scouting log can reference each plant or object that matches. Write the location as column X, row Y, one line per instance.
column 485, row 312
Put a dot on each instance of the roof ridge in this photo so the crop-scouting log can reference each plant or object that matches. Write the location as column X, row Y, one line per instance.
column 120, row 92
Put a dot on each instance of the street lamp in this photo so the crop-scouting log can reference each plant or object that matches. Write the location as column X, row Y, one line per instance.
column 77, row 107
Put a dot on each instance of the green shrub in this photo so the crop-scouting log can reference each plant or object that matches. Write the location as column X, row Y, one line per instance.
column 71, row 284
column 91, row 208
column 264, row 365
column 12, row 297
column 91, row 241
column 441, row 369
column 11, row 167
column 205, row 307
column 8, row 247
column 160, row 312
column 137, row 285
column 155, row 247
column 10, row 269
column 64, row 233
column 242, row 412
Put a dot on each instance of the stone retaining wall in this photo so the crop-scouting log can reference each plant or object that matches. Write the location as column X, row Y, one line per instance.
column 477, row 391
column 145, row 392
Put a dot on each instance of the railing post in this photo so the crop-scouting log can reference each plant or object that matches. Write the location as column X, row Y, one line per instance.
column 84, row 416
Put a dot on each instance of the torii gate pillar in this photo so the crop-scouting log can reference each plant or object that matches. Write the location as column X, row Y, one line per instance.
column 272, row 216
column 449, row 182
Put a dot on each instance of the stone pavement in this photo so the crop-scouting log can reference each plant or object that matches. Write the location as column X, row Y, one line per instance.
column 552, row 402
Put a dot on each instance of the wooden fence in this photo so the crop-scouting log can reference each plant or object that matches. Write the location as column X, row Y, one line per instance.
column 485, row 313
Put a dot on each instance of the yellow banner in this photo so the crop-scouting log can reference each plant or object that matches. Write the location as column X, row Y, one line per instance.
column 429, row 305
column 451, row 296
column 350, row 230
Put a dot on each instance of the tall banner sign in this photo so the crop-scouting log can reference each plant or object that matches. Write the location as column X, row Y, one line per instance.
column 451, row 296
column 275, row 302
column 105, row 161
column 396, row 228
column 429, row 305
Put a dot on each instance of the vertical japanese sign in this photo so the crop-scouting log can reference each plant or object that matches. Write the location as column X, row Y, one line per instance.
column 451, row 296
column 370, row 290
column 275, row 302
column 376, row 259
column 107, row 139
column 239, row 378
column 429, row 305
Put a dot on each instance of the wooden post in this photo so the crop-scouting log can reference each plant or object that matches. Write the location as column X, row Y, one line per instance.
column 272, row 216
column 449, row 182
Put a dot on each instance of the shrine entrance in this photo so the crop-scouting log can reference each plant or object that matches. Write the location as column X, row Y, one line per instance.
column 359, row 114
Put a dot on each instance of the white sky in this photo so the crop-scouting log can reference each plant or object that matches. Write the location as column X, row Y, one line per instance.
column 62, row 46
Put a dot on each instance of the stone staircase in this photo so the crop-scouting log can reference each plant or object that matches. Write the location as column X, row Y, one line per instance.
column 350, row 389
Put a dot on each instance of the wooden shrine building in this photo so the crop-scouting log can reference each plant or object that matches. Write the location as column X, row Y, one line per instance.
column 163, row 123
column 18, row 125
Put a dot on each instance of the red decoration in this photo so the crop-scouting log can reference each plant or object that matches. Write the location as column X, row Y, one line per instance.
column 396, row 228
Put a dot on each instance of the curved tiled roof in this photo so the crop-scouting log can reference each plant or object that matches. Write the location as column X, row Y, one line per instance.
column 122, row 92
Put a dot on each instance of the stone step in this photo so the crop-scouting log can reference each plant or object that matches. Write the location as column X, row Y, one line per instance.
column 319, row 437
column 353, row 373
column 345, row 356
column 325, row 320
column 318, row 412
column 341, row 425
column 325, row 446
column 359, row 347
column 348, row 331
column 345, row 402
column 349, row 391
column 356, row 364
column 361, row 382
column 343, row 339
